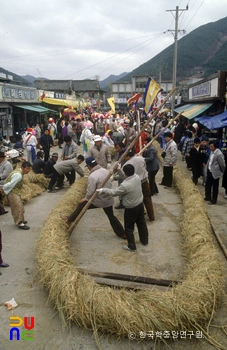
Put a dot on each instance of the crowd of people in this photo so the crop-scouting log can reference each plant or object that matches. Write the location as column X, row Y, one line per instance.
column 103, row 142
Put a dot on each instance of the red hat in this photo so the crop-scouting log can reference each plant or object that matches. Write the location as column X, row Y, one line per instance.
column 29, row 130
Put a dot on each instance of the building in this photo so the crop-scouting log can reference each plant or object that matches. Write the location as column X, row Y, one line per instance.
column 82, row 92
column 122, row 91
column 205, row 97
column 206, row 104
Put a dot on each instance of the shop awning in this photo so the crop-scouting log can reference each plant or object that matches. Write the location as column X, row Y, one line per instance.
column 58, row 102
column 36, row 108
column 46, row 110
column 192, row 110
column 217, row 122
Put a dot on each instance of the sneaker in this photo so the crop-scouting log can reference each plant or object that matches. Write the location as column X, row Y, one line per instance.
column 225, row 196
column 125, row 247
column 24, row 227
column 57, row 188
column 48, row 190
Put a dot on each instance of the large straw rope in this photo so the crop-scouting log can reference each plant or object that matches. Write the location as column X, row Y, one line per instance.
column 188, row 306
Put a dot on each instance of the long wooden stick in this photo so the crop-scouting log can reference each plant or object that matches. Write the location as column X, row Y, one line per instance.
column 131, row 278
column 157, row 136
column 132, row 144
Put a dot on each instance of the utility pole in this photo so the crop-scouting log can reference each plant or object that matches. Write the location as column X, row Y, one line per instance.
column 176, row 16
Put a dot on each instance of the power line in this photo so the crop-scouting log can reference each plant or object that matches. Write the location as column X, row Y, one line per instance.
column 127, row 56
column 59, row 52
column 109, row 58
column 195, row 13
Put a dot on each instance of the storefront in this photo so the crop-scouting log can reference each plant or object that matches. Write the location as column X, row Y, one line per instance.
column 205, row 98
column 19, row 108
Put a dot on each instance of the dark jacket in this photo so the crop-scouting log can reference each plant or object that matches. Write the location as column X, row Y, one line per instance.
column 151, row 158
column 46, row 141
column 49, row 168
column 197, row 157
column 38, row 166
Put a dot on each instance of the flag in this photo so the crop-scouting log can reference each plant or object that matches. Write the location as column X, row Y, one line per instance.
column 134, row 98
column 151, row 91
column 112, row 104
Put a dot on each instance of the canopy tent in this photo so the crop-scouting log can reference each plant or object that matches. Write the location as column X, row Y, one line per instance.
column 216, row 122
column 67, row 103
column 38, row 109
column 58, row 102
column 192, row 110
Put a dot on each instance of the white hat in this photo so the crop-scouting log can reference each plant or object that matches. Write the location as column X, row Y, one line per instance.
column 97, row 138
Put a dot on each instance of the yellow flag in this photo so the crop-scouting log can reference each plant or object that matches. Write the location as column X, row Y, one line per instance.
column 112, row 104
column 151, row 91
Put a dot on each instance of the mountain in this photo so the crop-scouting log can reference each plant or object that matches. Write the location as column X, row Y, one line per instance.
column 111, row 79
column 103, row 83
column 16, row 78
column 31, row 79
column 200, row 54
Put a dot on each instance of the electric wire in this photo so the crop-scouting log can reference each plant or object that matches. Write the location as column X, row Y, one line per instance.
column 109, row 58
column 127, row 56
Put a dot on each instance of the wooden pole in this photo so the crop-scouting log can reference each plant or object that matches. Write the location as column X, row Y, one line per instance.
column 157, row 136
column 132, row 144
column 138, row 124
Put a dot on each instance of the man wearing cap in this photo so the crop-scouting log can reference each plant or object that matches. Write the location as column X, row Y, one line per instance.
column 49, row 168
column 38, row 165
column 30, row 143
column 96, row 177
column 46, row 141
column 100, row 152
column 12, row 188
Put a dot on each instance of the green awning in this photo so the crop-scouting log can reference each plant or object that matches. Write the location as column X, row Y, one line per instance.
column 192, row 110
column 46, row 110
column 37, row 108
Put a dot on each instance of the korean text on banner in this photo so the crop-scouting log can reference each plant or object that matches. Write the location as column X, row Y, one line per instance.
column 151, row 91
column 112, row 104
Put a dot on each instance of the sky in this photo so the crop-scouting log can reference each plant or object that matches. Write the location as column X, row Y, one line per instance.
column 88, row 39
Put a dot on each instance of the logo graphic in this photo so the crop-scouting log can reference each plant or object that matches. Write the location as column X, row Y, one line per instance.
column 15, row 333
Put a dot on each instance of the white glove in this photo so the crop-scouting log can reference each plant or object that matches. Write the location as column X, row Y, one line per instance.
column 100, row 190
column 108, row 166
